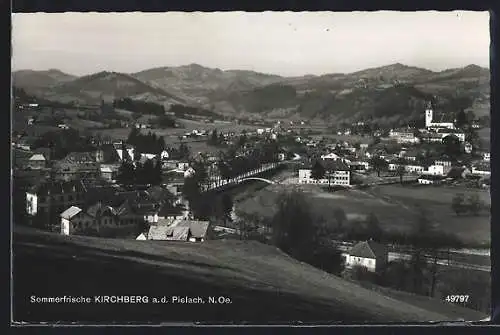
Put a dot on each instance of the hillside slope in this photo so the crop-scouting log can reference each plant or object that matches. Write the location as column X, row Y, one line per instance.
column 197, row 82
column 264, row 285
column 40, row 79
column 108, row 85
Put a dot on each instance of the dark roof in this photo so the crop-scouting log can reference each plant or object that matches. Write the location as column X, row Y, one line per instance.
column 368, row 249
column 58, row 187
column 79, row 157
column 100, row 209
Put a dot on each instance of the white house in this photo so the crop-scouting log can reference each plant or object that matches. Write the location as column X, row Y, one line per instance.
column 445, row 163
column 336, row 173
column 486, row 156
column 330, row 156
column 438, row 170
column 74, row 220
column 37, row 161
column 260, row 131
column 468, row 148
column 414, row 168
column 369, row 254
column 404, row 136
column 481, row 170
column 429, row 180
column 189, row 172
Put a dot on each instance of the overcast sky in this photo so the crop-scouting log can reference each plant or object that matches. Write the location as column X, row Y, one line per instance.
column 284, row 43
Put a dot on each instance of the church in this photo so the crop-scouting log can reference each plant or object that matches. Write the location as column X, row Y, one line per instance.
column 445, row 122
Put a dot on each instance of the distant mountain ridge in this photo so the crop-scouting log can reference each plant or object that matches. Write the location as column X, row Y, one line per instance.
column 361, row 94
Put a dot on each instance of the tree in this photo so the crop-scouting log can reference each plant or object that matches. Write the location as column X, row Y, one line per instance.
column 126, row 173
column 292, row 225
column 373, row 227
column 340, row 217
column 452, row 146
column 214, row 138
column 461, row 119
column 458, row 203
column 227, row 206
column 378, row 164
column 157, row 174
column 401, row 171
column 318, row 171
column 474, row 204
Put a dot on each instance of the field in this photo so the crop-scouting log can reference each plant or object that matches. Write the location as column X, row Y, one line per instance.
column 250, row 274
column 394, row 206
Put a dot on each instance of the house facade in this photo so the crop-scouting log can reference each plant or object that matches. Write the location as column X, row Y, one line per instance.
column 369, row 254
column 37, row 161
column 336, row 173
column 51, row 198
column 404, row 136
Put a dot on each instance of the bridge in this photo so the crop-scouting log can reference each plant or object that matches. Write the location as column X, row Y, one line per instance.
column 257, row 178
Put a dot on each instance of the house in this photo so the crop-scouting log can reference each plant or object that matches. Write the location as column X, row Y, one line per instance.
column 438, row 170
column 51, row 198
column 468, row 148
column 443, row 162
column 486, row 156
column 432, row 138
column 336, row 173
column 37, row 161
column 404, row 136
column 77, row 165
column 108, row 172
column 481, row 169
column 330, row 156
column 74, row 220
column 429, row 179
column 186, row 230
column 369, row 254
column 410, row 155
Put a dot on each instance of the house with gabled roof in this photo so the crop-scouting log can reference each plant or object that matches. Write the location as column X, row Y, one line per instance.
column 75, row 220
column 186, row 230
column 37, row 161
column 372, row 255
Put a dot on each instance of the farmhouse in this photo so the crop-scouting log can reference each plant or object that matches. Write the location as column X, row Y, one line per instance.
column 101, row 218
column 37, row 161
column 336, row 173
column 74, row 220
column 186, row 230
column 369, row 254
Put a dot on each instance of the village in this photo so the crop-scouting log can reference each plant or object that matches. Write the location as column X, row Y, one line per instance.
column 135, row 187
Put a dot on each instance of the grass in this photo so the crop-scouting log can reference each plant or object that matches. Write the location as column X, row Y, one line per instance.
column 394, row 206
column 251, row 274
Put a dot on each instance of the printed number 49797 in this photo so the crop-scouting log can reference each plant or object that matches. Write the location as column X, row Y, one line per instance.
column 457, row 298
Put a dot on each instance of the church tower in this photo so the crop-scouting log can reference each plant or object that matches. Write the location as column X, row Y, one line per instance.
column 428, row 115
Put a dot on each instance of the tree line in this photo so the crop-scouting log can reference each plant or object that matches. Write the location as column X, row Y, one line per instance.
column 146, row 143
column 137, row 173
column 140, row 107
